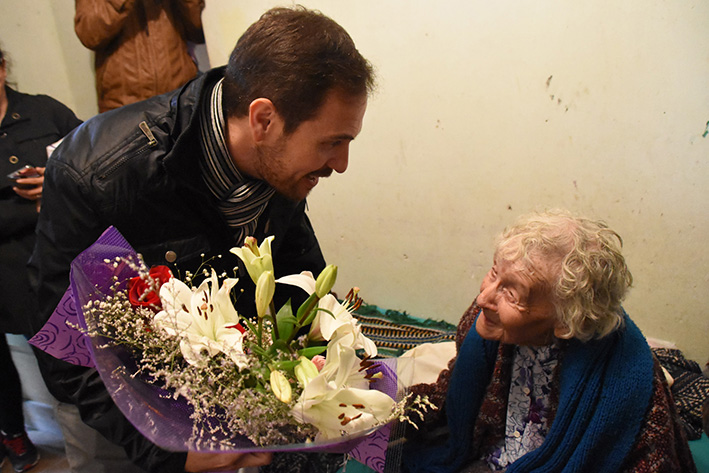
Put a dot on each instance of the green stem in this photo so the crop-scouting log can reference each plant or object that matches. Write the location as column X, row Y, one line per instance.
column 308, row 309
column 312, row 303
column 275, row 322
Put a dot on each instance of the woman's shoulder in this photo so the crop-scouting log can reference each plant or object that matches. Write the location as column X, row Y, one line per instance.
column 40, row 107
column 23, row 99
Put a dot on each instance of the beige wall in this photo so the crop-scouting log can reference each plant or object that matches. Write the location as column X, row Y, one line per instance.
column 47, row 57
column 487, row 110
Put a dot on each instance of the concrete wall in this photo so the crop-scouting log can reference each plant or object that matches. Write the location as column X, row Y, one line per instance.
column 487, row 110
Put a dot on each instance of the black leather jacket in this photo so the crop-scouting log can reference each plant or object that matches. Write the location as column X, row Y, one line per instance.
column 136, row 168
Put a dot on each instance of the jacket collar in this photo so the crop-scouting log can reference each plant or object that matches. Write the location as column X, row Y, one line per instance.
column 183, row 160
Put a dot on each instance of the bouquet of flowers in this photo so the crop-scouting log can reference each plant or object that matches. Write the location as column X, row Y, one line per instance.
column 209, row 379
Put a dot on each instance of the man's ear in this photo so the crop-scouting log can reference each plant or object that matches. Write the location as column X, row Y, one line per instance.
column 262, row 114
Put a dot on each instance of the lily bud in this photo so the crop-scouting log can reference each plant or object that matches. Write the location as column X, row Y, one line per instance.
column 265, row 288
column 252, row 244
column 325, row 281
column 280, row 386
column 305, row 371
column 256, row 259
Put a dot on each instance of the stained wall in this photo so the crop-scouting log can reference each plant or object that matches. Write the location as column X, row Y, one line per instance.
column 485, row 111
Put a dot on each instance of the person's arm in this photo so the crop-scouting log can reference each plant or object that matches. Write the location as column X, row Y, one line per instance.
column 189, row 14
column 16, row 217
column 97, row 22
column 199, row 462
column 67, row 225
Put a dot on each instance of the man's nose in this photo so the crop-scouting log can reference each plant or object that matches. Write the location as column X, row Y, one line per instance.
column 339, row 162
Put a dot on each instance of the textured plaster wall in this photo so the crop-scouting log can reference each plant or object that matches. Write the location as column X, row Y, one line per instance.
column 485, row 111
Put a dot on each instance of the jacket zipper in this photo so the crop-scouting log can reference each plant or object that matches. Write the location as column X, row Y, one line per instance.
column 148, row 134
column 151, row 142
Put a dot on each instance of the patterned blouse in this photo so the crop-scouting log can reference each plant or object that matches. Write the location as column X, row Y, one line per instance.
column 527, row 406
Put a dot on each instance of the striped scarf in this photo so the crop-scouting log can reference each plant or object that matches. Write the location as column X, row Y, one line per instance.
column 241, row 200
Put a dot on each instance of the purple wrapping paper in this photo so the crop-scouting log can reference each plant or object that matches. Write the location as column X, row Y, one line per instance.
column 154, row 412
column 60, row 339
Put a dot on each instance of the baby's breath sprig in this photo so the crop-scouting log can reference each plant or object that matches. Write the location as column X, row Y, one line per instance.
column 276, row 380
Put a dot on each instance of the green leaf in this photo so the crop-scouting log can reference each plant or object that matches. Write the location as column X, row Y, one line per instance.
column 279, row 345
column 250, row 325
column 312, row 351
column 308, row 305
column 285, row 320
column 312, row 315
column 261, row 352
column 286, row 365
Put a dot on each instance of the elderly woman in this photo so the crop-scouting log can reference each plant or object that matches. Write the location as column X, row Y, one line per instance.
column 553, row 376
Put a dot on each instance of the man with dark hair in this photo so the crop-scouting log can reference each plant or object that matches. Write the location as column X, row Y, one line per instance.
column 294, row 58
column 187, row 175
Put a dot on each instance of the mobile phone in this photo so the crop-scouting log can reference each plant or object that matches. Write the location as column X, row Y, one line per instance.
column 20, row 173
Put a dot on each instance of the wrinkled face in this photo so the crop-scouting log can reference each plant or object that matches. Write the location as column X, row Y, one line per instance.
column 515, row 308
column 294, row 164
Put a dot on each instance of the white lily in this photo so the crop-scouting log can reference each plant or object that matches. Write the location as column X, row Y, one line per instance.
column 338, row 324
column 338, row 400
column 257, row 259
column 204, row 318
column 334, row 319
column 304, row 280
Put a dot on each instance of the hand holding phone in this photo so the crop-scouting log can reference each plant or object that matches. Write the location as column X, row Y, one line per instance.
column 24, row 172
column 29, row 182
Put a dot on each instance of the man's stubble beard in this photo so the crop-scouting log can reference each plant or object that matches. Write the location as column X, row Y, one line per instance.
column 271, row 166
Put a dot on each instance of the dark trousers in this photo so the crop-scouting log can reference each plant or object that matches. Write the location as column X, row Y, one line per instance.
column 11, row 419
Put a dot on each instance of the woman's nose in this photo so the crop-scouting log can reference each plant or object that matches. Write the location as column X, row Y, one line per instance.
column 486, row 298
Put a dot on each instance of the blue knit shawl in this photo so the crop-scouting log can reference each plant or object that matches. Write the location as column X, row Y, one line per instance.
column 605, row 390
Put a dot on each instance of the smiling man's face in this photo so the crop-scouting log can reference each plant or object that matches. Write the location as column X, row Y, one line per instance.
column 294, row 164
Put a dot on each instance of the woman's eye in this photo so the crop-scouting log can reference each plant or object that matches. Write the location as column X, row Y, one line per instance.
column 510, row 296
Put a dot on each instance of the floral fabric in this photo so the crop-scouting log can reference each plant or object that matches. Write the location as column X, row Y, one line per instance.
column 528, row 405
